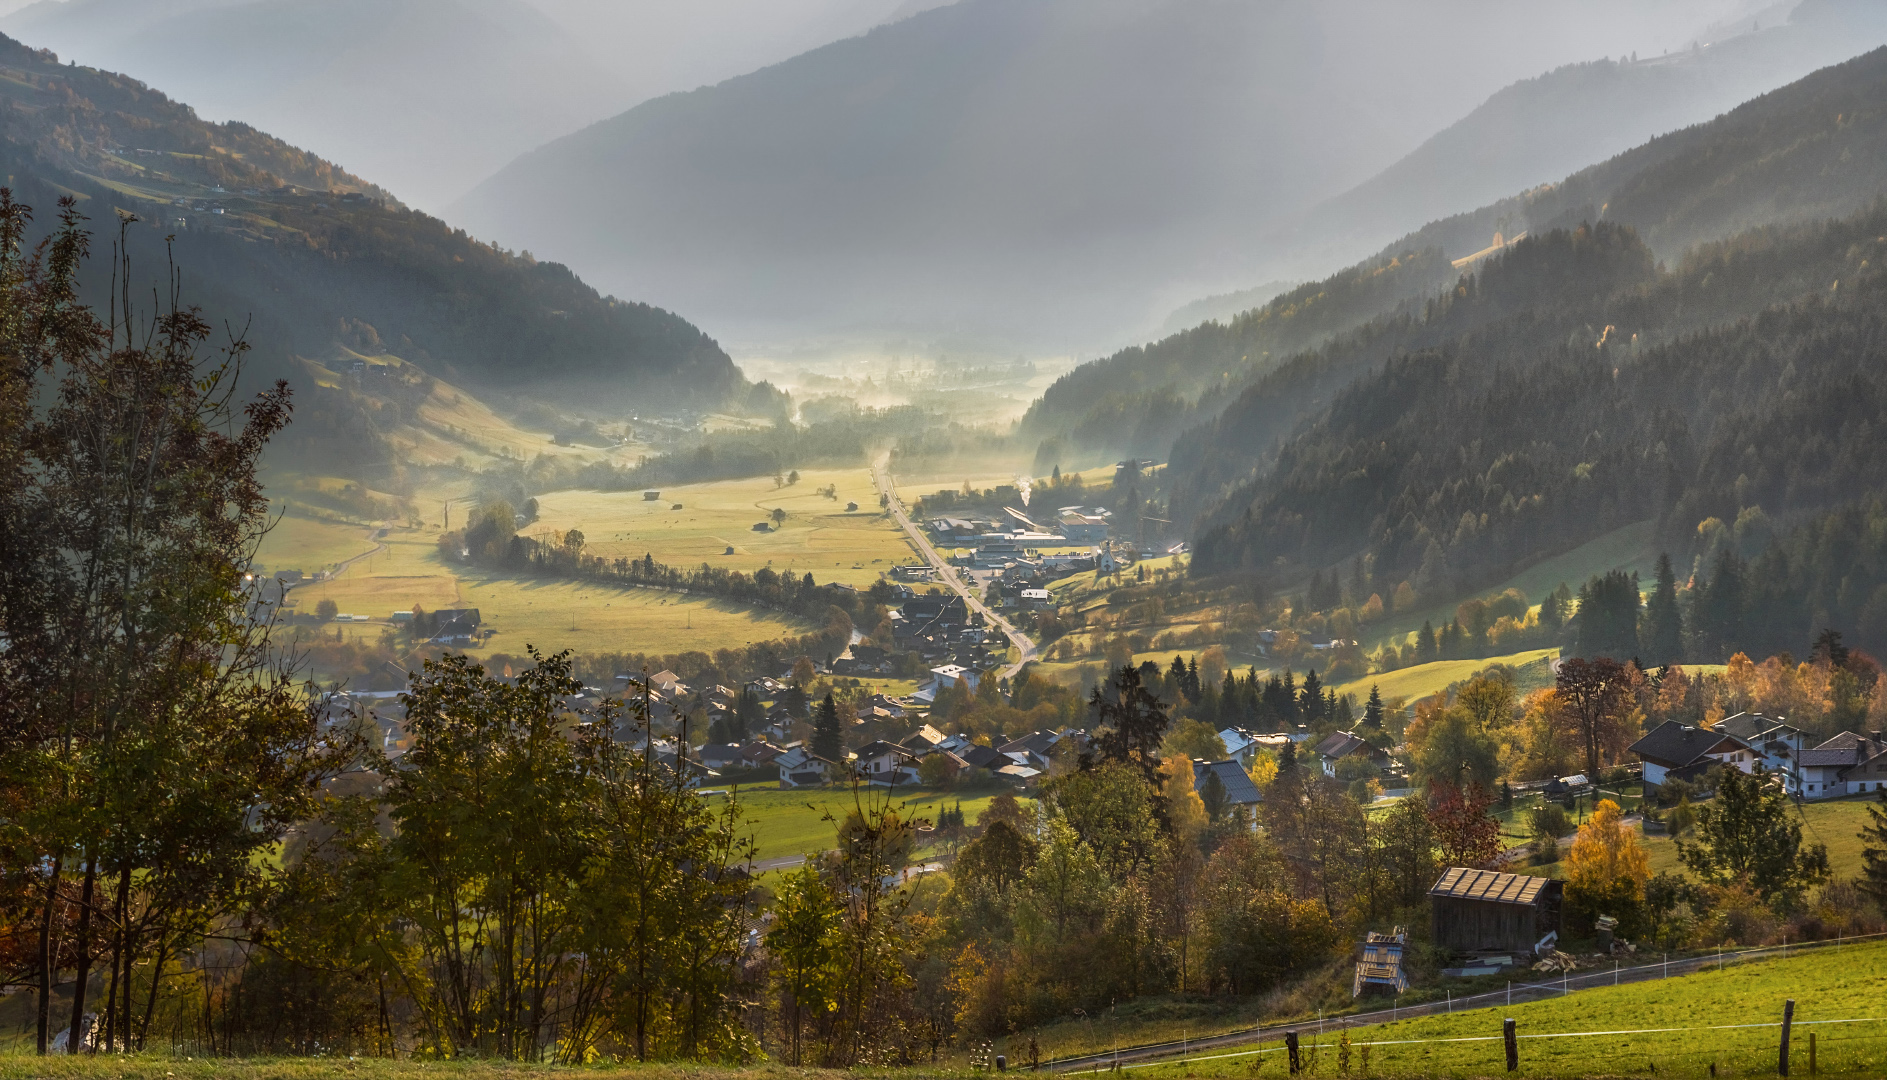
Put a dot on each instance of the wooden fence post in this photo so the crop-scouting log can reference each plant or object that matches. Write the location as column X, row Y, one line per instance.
column 1788, row 1018
column 1290, row 1045
column 1513, row 1044
column 1811, row 1053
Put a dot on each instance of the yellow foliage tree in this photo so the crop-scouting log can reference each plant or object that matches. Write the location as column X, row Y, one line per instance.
column 1606, row 855
column 1264, row 769
column 1184, row 808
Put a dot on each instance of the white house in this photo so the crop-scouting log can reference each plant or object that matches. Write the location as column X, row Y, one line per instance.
column 942, row 678
column 800, row 767
column 1685, row 751
column 886, row 763
column 1768, row 742
column 1847, row 764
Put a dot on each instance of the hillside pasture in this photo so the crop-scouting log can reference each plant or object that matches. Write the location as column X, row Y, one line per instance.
column 1423, row 680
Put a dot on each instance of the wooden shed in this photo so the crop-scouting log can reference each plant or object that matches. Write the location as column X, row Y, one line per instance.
column 1476, row 910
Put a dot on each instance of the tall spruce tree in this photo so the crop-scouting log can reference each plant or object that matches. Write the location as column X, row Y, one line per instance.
column 1661, row 637
column 828, row 740
column 1372, row 712
column 1310, row 701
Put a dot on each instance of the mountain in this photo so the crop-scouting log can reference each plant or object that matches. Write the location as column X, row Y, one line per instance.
column 426, row 96
column 1572, row 383
column 1541, row 129
column 430, row 96
column 1040, row 170
column 308, row 255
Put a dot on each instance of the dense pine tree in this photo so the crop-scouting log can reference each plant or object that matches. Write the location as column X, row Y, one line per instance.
column 828, row 739
column 1661, row 637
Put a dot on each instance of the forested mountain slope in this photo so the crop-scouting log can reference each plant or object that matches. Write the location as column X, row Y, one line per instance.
column 1815, row 148
column 1137, row 400
column 1588, row 410
column 306, row 254
column 1045, row 171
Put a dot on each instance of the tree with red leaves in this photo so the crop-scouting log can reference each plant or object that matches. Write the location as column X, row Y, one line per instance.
column 1465, row 832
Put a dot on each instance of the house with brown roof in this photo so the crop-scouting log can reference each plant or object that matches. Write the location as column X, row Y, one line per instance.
column 1674, row 751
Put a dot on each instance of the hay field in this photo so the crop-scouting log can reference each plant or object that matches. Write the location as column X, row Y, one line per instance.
column 819, row 536
column 307, row 544
column 551, row 615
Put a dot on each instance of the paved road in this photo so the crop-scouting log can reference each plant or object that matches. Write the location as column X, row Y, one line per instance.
column 881, row 476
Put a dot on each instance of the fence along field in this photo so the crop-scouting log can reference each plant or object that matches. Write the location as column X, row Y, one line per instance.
column 1711, row 1015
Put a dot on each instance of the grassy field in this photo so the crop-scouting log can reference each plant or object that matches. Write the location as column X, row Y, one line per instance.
column 793, row 821
column 819, row 535
column 308, row 544
column 551, row 615
column 1422, row 680
column 1700, row 1016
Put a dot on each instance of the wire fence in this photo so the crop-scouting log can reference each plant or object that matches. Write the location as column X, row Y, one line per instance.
column 1565, row 984
column 1320, row 1044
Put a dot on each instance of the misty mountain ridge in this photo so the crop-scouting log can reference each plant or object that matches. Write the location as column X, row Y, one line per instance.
column 1542, row 129
column 1032, row 170
column 307, row 255
column 426, row 96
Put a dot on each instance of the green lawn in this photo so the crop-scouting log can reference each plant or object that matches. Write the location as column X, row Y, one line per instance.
column 793, row 821
column 1703, row 1009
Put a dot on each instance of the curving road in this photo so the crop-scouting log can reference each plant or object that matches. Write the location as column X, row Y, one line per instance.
column 881, row 478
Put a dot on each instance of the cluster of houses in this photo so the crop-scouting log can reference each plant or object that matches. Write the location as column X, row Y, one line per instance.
column 951, row 640
column 1847, row 764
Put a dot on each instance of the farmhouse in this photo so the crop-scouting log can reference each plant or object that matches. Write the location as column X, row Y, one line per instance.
column 1768, row 742
column 1480, row 909
column 1341, row 744
column 1683, row 751
column 800, row 767
column 887, row 763
column 1846, row 764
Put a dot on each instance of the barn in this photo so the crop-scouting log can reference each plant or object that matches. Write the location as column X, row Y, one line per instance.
column 1477, row 910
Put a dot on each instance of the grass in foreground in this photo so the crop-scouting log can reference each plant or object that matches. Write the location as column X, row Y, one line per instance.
column 1702, row 1010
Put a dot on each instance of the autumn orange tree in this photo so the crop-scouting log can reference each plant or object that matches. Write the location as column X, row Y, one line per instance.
column 1608, row 868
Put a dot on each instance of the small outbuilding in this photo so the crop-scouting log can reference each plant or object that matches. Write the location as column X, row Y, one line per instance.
column 1379, row 965
column 1483, row 910
column 652, row 495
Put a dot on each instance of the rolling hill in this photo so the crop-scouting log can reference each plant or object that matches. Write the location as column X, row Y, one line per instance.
column 1030, row 170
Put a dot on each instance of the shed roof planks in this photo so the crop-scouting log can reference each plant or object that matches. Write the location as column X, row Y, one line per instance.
column 1463, row 884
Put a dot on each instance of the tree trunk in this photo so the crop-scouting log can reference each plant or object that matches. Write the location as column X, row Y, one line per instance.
column 48, row 949
column 150, row 1001
column 84, row 958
